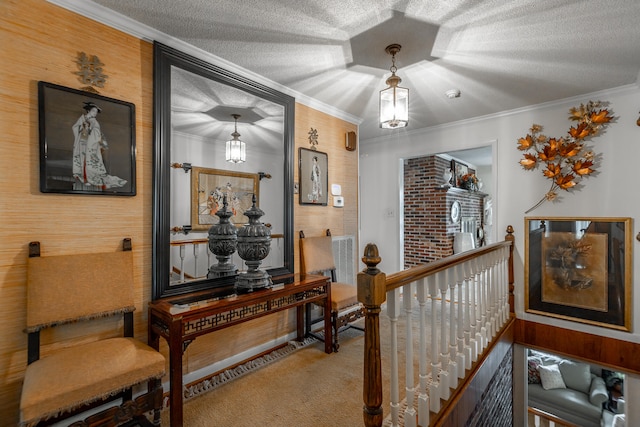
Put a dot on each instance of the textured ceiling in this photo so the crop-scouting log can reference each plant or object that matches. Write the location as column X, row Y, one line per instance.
column 500, row 54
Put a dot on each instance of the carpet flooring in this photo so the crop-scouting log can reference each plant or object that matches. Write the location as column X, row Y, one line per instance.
column 306, row 388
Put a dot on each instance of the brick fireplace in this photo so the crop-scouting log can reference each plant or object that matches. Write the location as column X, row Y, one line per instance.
column 428, row 228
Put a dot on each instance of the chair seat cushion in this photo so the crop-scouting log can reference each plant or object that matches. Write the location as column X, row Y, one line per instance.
column 343, row 295
column 85, row 373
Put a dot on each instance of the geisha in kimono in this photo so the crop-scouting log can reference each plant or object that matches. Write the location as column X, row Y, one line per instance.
column 88, row 145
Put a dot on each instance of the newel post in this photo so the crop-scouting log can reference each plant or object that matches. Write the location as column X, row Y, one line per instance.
column 511, row 238
column 372, row 294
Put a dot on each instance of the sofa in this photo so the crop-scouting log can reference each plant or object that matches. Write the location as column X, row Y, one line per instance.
column 570, row 390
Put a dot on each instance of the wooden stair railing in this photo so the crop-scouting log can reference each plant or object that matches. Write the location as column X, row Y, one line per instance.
column 479, row 286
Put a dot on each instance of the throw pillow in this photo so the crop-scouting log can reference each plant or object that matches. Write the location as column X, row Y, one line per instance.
column 618, row 420
column 547, row 359
column 576, row 375
column 550, row 377
column 533, row 375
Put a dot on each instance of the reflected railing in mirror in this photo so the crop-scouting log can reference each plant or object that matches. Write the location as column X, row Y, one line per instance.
column 192, row 258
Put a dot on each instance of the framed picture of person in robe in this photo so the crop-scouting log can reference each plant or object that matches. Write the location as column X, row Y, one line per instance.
column 313, row 177
column 87, row 142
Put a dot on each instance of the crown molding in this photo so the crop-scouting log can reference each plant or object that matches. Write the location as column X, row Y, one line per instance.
column 507, row 113
column 144, row 32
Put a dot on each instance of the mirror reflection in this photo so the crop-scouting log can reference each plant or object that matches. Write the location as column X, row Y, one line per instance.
column 204, row 115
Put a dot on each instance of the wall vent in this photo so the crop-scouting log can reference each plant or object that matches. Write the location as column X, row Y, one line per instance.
column 344, row 254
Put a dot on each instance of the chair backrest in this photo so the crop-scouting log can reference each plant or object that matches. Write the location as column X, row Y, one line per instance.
column 66, row 288
column 316, row 255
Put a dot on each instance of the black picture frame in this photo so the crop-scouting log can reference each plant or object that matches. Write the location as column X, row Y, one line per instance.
column 459, row 169
column 314, row 166
column 579, row 269
column 81, row 154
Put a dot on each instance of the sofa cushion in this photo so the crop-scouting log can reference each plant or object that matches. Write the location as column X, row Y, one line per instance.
column 568, row 404
column 533, row 376
column 576, row 375
column 550, row 377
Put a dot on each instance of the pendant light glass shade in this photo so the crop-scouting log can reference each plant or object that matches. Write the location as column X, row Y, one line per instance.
column 236, row 151
column 394, row 100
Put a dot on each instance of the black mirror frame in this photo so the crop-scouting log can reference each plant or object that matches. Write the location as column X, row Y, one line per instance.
column 164, row 58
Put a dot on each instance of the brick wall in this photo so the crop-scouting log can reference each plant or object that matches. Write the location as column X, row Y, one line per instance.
column 495, row 407
column 428, row 229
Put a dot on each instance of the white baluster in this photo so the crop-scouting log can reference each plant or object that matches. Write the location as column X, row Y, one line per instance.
column 453, row 365
column 505, row 289
column 473, row 329
column 500, row 298
column 434, row 384
column 182, row 254
column 495, row 280
column 196, row 253
column 460, row 359
column 464, row 332
column 393, row 307
column 487, row 307
column 444, row 354
column 483, row 302
column 423, row 398
column 409, row 412
column 490, row 299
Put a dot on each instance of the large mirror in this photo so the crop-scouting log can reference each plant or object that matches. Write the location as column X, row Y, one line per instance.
column 198, row 106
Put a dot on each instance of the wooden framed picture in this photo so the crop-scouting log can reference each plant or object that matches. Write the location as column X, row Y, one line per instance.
column 208, row 188
column 313, row 177
column 87, row 142
column 459, row 170
column 579, row 269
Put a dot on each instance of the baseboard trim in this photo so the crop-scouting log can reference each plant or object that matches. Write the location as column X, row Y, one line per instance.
column 237, row 367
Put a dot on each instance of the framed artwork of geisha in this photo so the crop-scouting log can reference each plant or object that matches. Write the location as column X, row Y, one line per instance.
column 313, row 177
column 87, row 142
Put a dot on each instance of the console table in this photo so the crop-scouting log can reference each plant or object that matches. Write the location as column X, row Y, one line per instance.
column 180, row 324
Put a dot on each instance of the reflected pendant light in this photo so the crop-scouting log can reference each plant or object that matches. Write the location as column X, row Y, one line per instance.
column 236, row 151
column 394, row 100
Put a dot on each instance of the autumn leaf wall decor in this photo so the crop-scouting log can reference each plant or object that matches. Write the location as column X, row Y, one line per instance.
column 564, row 161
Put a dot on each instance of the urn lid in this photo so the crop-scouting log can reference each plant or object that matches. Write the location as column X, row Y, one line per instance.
column 224, row 227
column 254, row 213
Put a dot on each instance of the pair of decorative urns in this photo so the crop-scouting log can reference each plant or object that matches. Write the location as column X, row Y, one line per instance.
column 253, row 243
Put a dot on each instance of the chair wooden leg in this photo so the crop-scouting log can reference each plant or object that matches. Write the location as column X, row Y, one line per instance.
column 307, row 320
column 334, row 323
column 156, row 389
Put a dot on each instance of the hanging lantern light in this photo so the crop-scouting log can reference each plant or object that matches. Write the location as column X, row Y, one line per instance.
column 236, row 151
column 394, row 100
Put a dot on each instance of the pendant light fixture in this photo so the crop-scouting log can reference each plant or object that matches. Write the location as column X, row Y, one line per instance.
column 394, row 100
column 236, row 151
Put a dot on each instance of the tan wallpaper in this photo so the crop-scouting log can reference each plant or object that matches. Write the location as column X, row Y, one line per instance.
column 40, row 41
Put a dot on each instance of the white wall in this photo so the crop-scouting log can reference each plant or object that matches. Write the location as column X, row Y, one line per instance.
column 210, row 154
column 612, row 192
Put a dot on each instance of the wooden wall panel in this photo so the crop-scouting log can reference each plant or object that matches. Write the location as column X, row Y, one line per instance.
column 601, row 350
column 343, row 170
column 41, row 41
